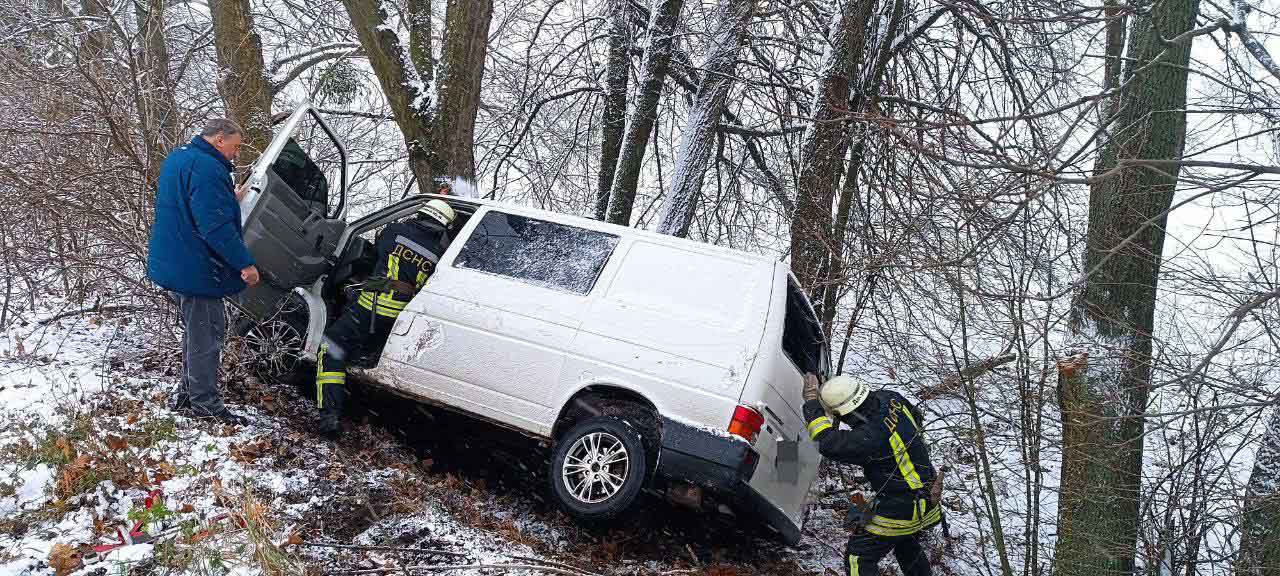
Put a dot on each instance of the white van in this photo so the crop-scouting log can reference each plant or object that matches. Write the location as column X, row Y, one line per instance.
column 641, row 359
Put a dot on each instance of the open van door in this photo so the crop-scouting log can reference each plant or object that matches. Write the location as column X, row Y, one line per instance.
column 294, row 212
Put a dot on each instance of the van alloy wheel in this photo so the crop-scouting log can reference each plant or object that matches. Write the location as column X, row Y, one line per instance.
column 274, row 346
column 596, row 467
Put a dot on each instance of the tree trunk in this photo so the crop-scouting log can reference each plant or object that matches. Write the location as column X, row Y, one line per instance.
column 1260, row 535
column 405, row 88
column 664, row 15
column 157, row 105
column 699, row 137
column 825, row 142
column 614, row 118
column 97, row 36
column 1103, row 391
column 460, row 71
column 832, row 279
column 243, row 85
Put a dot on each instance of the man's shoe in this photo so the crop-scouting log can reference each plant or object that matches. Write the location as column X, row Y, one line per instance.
column 222, row 414
column 180, row 401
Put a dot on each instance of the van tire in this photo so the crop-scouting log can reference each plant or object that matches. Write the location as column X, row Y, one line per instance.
column 272, row 347
column 608, row 434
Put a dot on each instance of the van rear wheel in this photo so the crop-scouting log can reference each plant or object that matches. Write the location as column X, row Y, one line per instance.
column 598, row 468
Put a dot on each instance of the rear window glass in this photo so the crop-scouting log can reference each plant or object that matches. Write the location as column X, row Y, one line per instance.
column 802, row 335
column 537, row 252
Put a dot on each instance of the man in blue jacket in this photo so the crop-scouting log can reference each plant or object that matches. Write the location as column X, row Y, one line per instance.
column 197, row 252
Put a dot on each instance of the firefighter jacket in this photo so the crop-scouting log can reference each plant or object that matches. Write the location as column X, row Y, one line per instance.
column 891, row 448
column 407, row 254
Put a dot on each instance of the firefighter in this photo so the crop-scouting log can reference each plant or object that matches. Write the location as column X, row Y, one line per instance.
column 407, row 254
column 885, row 438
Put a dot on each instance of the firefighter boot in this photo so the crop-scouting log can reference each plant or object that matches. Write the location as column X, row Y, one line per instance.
column 331, row 397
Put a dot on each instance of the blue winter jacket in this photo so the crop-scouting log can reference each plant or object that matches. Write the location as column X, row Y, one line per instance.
column 196, row 245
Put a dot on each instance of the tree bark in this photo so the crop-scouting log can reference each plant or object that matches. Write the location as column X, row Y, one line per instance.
column 243, row 84
column 699, row 137
column 97, row 37
column 157, row 104
column 1260, row 535
column 832, row 282
column 825, row 142
column 664, row 14
column 405, row 87
column 1103, row 391
column 614, row 117
column 459, row 74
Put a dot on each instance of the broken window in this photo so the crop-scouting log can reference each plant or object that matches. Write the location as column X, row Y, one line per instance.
column 802, row 335
column 537, row 252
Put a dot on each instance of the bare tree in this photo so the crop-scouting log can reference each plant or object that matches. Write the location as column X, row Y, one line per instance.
column 613, row 119
column 698, row 139
column 663, row 17
column 1104, row 392
column 1260, row 534
column 404, row 85
column 243, row 85
column 461, row 67
column 825, row 142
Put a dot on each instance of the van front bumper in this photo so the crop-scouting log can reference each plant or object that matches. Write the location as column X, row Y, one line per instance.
column 722, row 464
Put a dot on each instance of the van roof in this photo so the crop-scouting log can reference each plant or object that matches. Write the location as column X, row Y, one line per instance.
column 607, row 227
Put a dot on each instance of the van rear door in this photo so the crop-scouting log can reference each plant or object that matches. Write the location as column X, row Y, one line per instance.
column 792, row 345
column 294, row 212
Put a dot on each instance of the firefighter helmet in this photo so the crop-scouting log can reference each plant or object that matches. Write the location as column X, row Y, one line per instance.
column 439, row 211
column 843, row 394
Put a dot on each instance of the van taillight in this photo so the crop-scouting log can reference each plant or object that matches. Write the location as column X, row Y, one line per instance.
column 746, row 423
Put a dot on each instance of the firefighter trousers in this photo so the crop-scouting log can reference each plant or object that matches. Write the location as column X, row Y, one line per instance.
column 357, row 331
column 864, row 551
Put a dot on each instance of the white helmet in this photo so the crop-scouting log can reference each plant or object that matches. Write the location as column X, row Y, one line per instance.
column 843, row 394
column 438, row 210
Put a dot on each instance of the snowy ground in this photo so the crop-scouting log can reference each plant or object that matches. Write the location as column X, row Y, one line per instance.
column 85, row 435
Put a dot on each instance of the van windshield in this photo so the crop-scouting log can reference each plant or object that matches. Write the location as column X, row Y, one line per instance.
column 802, row 335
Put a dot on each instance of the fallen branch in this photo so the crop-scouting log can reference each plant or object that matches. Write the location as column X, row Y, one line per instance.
column 950, row 383
column 93, row 310
column 383, row 549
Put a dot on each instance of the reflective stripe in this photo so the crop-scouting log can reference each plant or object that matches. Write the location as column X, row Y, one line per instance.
column 817, row 425
column 324, row 349
column 383, row 300
column 853, row 565
column 923, row 517
column 905, row 466
column 422, row 279
column 919, row 432
column 393, row 267
column 416, row 247
column 386, row 305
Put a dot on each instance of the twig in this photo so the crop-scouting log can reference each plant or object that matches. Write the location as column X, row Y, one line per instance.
column 384, row 549
column 95, row 309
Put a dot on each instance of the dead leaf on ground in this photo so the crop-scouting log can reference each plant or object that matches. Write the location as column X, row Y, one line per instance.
column 117, row 443
column 64, row 559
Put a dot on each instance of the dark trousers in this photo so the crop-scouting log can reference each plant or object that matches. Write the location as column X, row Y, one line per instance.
column 204, row 326
column 356, row 332
column 864, row 551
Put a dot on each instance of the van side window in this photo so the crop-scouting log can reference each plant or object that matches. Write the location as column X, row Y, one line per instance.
column 538, row 252
column 802, row 335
